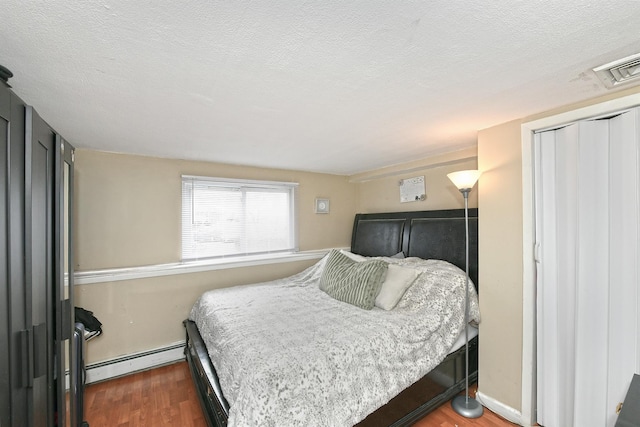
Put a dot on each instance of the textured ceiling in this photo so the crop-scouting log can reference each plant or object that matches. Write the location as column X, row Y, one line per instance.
column 331, row 86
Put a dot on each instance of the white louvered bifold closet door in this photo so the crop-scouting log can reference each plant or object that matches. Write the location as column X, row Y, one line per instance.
column 588, row 251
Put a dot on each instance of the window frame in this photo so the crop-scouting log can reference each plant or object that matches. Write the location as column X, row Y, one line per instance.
column 244, row 185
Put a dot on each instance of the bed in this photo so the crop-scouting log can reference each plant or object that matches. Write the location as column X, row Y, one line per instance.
column 423, row 383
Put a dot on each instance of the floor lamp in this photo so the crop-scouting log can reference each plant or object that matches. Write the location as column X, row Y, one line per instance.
column 466, row 406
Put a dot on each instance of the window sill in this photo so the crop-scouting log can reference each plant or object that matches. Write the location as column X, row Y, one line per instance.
column 143, row 272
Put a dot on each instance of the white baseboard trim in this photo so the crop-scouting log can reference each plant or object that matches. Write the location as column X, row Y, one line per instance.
column 133, row 363
column 505, row 411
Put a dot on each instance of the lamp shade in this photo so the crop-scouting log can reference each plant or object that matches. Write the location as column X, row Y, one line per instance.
column 464, row 180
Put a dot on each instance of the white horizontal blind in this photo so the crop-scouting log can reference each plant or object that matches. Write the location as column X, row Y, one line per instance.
column 222, row 217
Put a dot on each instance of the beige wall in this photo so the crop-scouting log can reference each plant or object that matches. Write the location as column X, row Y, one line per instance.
column 501, row 260
column 127, row 214
column 500, row 263
column 378, row 191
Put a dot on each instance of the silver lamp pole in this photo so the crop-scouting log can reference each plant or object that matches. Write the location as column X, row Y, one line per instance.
column 466, row 406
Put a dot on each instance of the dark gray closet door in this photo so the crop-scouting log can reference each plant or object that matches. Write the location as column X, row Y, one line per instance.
column 39, row 176
column 16, row 328
column 5, row 367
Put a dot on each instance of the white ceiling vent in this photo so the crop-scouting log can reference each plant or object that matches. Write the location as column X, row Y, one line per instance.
column 619, row 72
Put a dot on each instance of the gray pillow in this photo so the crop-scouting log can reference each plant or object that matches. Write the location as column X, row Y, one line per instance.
column 356, row 283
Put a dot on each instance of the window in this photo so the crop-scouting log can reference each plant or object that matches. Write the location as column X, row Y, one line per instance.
column 224, row 217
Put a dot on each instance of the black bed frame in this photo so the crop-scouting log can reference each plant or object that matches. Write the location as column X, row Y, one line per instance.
column 425, row 234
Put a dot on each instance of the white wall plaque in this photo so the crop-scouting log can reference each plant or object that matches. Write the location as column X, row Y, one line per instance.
column 412, row 189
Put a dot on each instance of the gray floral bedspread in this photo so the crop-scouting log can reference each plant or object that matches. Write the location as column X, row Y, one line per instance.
column 287, row 354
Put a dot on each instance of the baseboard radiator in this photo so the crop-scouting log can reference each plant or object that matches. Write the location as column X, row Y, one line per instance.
column 135, row 362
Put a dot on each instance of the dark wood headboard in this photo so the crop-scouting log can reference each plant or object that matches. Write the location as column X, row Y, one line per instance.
column 425, row 234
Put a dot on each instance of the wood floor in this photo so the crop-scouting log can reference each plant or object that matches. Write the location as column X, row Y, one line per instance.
column 166, row 396
column 163, row 396
column 445, row 416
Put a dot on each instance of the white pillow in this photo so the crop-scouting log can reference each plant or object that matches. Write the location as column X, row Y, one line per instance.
column 395, row 284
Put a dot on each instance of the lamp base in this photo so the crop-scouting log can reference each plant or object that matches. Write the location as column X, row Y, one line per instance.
column 468, row 408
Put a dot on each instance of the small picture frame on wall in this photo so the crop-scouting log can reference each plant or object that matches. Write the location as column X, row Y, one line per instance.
column 322, row 206
column 412, row 190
